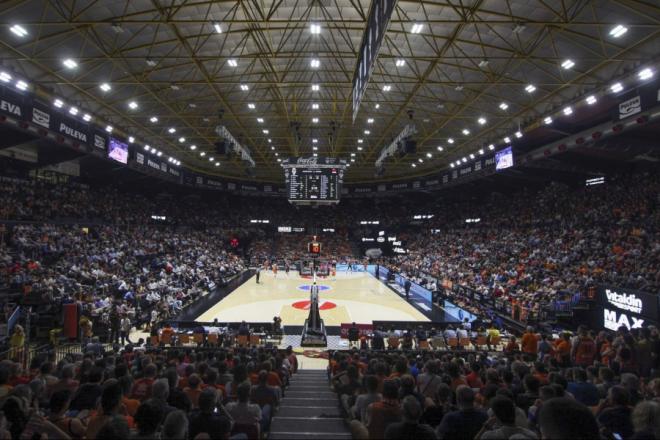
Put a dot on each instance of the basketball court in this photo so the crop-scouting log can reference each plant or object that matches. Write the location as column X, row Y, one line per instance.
column 348, row 297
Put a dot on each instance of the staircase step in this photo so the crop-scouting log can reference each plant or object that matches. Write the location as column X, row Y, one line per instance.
column 311, row 411
column 307, row 401
column 317, row 394
column 305, row 424
column 307, row 435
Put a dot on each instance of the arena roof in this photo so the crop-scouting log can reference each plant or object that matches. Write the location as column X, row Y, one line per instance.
column 477, row 71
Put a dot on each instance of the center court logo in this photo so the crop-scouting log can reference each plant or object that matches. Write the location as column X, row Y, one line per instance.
column 304, row 305
column 307, row 287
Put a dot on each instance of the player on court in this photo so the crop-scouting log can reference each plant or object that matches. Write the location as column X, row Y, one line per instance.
column 350, row 266
column 287, row 268
column 275, row 269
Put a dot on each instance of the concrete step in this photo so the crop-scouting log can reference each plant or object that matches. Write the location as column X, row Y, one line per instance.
column 308, row 401
column 317, row 394
column 311, row 411
column 307, row 424
column 307, row 435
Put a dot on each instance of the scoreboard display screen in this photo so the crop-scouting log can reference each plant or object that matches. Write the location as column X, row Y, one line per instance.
column 313, row 184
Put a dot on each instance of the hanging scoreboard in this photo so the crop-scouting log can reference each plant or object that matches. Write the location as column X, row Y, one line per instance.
column 313, row 180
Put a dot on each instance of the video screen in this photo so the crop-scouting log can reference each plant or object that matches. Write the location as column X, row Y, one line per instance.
column 118, row 150
column 504, row 159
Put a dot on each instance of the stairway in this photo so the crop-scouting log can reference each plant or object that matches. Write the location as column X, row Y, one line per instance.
column 309, row 410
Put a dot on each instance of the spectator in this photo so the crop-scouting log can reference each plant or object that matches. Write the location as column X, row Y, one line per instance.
column 410, row 428
column 566, row 418
column 503, row 424
column 615, row 414
column 206, row 420
column 466, row 421
column 175, row 426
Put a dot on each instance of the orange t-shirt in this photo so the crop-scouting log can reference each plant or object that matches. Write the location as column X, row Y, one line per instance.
column 529, row 343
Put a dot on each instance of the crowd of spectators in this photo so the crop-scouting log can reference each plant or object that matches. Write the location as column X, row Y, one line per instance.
column 141, row 394
column 525, row 394
column 534, row 248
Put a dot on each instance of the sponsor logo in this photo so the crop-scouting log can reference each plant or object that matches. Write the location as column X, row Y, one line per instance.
column 490, row 161
column 399, row 185
column 465, row 171
column 231, row 185
column 268, row 188
column 139, row 157
column 432, row 182
column 381, row 188
column 248, row 187
column 199, row 180
column 362, row 190
column 416, row 184
column 612, row 322
column 40, row 118
column 624, row 301
column 10, row 108
column 174, row 172
column 307, row 161
column 152, row 164
column 99, row 141
column 163, row 167
column 445, row 178
column 213, row 183
column 630, row 107
column 72, row 132
column 477, row 165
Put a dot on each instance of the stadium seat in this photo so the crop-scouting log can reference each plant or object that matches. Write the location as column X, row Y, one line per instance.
column 439, row 343
column 184, row 338
column 423, row 345
column 242, row 340
column 481, row 342
column 465, row 343
column 393, row 342
column 452, row 343
column 212, row 339
column 198, row 338
column 166, row 339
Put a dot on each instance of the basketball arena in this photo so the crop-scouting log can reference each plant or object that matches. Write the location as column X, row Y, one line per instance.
column 369, row 219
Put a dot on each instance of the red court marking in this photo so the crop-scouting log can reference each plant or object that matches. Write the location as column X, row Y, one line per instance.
column 309, row 277
column 304, row 305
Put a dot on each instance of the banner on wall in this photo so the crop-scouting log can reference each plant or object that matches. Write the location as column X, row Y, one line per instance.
column 630, row 308
column 14, row 104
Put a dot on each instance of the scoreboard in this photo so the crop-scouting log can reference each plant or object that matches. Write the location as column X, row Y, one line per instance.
column 313, row 184
column 311, row 181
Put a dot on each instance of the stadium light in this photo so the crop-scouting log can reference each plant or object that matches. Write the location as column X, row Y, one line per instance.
column 567, row 64
column 618, row 30
column 416, row 28
column 69, row 63
column 645, row 74
column 18, row 30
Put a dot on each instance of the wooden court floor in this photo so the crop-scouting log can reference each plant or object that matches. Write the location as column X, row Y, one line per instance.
column 348, row 297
